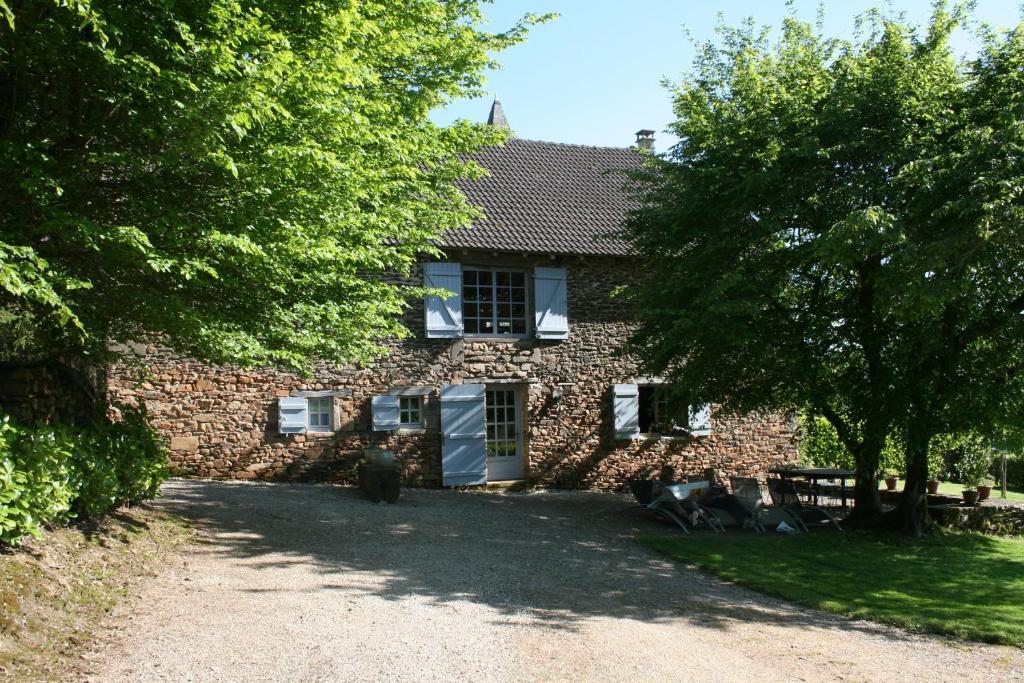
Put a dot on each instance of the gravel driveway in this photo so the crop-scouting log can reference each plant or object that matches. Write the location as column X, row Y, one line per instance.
column 310, row 583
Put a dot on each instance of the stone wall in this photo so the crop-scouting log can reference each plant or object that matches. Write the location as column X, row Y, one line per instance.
column 222, row 421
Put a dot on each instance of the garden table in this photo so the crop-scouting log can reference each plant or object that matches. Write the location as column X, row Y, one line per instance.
column 815, row 474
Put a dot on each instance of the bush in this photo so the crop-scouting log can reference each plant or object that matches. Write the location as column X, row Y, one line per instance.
column 36, row 484
column 53, row 473
column 967, row 455
column 820, row 447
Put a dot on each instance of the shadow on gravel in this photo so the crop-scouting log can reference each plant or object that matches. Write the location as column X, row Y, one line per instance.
column 553, row 558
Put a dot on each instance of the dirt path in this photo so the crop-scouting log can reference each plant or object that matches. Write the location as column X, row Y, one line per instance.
column 313, row 583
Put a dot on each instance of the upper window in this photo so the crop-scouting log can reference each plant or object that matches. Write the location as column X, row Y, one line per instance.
column 410, row 412
column 493, row 301
column 319, row 411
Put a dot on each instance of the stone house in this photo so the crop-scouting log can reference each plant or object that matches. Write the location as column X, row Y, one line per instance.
column 516, row 376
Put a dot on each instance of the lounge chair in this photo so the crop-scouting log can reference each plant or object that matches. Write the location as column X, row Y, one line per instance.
column 748, row 491
column 672, row 501
column 644, row 492
column 785, row 495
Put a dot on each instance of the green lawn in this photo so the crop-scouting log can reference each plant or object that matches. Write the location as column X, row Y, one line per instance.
column 965, row 585
column 950, row 488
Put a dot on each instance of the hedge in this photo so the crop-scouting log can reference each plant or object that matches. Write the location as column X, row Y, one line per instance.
column 55, row 473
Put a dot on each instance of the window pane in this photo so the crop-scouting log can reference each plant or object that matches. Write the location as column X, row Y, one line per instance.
column 484, row 277
column 469, row 277
column 518, row 280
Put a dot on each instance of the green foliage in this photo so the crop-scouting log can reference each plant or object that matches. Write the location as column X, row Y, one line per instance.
column 238, row 178
column 35, row 480
column 973, row 454
column 53, row 473
column 820, row 447
column 839, row 228
column 968, row 455
column 964, row 585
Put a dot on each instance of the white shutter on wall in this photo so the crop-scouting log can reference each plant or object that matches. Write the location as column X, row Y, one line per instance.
column 626, row 408
column 552, row 314
column 291, row 415
column 443, row 316
column 700, row 420
column 464, row 435
column 385, row 413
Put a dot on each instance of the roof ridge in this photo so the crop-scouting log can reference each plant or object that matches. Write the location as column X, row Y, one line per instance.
column 574, row 144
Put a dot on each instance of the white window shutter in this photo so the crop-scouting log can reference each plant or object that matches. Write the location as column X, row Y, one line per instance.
column 700, row 420
column 385, row 413
column 443, row 316
column 552, row 314
column 291, row 414
column 626, row 407
column 464, row 435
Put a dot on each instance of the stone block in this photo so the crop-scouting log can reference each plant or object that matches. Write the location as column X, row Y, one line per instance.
column 184, row 443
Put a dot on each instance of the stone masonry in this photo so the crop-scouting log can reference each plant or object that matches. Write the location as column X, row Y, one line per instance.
column 221, row 422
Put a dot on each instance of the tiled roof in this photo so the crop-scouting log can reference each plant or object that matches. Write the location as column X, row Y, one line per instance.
column 546, row 197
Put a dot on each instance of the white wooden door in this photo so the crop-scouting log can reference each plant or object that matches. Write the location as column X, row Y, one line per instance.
column 504, row 441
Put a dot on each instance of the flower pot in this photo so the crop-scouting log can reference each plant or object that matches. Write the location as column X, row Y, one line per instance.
column 984, row 492
column 890, row 483
column 933, row 486
column 970, row 498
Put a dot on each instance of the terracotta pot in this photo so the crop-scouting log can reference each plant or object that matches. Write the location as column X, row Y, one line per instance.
column 890, row 483
column 970, row 498
column 933, row 486
column 984, row 492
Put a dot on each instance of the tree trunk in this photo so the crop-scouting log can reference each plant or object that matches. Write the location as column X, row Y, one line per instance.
column 867, row 508
column 911, row 515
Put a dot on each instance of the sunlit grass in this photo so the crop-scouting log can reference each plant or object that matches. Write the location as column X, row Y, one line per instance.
column 965, row 585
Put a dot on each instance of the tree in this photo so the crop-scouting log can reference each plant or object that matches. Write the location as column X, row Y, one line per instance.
column 839, row 228
column 239, row 177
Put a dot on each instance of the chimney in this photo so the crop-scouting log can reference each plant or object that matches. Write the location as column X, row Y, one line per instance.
column 645, row 139
column 497, row 117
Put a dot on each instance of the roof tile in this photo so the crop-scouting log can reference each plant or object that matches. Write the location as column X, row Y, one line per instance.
column 547, row 197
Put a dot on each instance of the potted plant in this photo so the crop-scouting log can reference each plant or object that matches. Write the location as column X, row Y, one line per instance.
column 985, row 488
column 891, row 477
column 973, row 470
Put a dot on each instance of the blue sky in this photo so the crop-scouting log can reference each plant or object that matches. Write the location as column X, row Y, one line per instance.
column 593, row 76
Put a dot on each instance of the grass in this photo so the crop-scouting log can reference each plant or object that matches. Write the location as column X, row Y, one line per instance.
column 964, row 585
column 951, row 488
column 56, row 591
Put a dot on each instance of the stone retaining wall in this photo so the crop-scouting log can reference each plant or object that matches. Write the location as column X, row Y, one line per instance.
column 222, row 421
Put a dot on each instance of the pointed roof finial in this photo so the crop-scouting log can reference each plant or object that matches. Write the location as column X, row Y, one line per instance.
column 497, row 116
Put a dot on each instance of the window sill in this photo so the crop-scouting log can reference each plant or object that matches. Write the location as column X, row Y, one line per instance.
column 319, row 435
column 411, row 430
column 498, row 337
column 656, row 436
